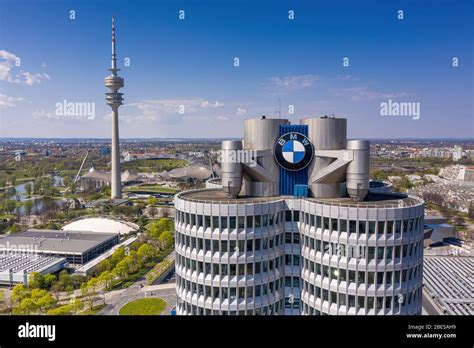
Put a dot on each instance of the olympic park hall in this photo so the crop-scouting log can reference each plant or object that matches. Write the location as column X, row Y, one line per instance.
column 294, row 228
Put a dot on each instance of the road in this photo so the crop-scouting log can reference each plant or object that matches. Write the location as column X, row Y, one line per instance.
column 165, row 290
column 117, row 299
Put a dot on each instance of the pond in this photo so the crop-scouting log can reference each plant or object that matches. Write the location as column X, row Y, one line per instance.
column 38, row 205
column 21, row 191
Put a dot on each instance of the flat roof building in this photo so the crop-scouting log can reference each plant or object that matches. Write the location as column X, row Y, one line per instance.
column 17, row 267
column 449, row 280
column 78, row 247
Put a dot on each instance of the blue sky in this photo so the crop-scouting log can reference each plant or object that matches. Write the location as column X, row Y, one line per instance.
column 190, row 63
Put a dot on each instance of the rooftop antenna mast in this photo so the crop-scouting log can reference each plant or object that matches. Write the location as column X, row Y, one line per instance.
column 278, row 111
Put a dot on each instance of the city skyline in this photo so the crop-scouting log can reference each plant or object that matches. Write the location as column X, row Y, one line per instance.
column 178, row 63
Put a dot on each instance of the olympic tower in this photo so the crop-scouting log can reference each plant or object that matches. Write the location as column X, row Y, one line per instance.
column 114, row 99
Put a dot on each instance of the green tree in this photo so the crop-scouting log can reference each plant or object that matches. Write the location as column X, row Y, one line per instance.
column 160, row 226
column 28, row 189
column 27, row 305
column 11, row 192
column 166, row 239
column 45, row 302
column 64, row 277
column 10, row 206
column 106, row 278
column 117, row 256
column 56, row 289
column 36, row 281
column 18, row 293
column 75, row 280
column 153, row 200
column 36, row 294
column 379, row 174
column 62, row 310
column 84, row 289
column 103, row 266
column 92, row 286
column 67, row 180
column 134, row 262
column 28, row 206
column 405, row 183
column 49, row 279
column 121, row 270
column 146, row 252
column 76, row 306
column 69, row 289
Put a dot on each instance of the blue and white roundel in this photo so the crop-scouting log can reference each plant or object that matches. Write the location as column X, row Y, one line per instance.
column 293, row 151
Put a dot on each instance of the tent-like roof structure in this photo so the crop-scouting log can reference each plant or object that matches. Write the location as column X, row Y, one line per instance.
column 191, row 172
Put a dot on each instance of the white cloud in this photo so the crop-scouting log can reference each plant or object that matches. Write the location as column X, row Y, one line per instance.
column 364, row 93
column 9, row 63
column 291, row 83
column 8, row 102
column 347, row 78
column 169, row 111
column 44, row 115
column 206, row 104
column 241, row 111
column 31, row 79
column 127, row 118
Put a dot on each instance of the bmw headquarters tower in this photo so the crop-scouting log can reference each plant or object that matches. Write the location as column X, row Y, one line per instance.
column 294, row 228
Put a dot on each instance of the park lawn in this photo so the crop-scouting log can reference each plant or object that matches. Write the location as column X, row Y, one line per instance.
column 152, row 188
column 144, row 306
column 153, row 165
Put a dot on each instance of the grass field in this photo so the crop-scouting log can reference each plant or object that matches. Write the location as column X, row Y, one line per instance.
column 153, row 165
column 144, row 306
column 152, row 188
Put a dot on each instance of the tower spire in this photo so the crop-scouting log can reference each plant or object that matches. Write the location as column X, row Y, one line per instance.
column 113, row 67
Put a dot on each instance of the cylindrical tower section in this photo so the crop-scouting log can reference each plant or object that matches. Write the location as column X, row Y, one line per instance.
column 229, row 254
column 260, row 134
column 231, row 167
column 362, row 261
column 115, row 178
column 214, row 183
column 357, row 175
column 326, row 133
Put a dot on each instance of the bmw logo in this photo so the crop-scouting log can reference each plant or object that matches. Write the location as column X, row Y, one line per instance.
column 293, row 151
